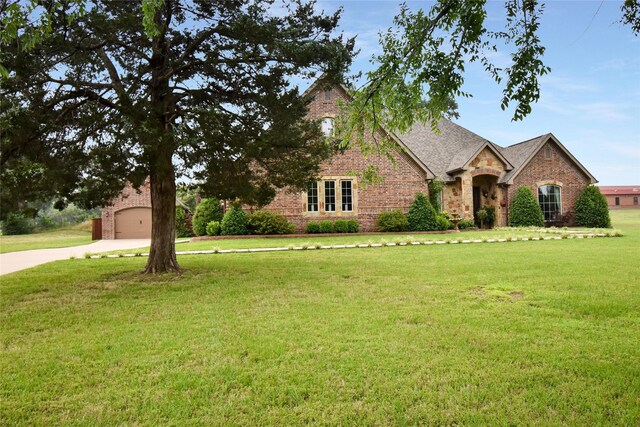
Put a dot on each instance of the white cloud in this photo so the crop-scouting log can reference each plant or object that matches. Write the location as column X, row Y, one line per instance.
column 604, row 110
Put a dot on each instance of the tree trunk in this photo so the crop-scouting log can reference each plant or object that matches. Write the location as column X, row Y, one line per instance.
column 162, row 257
column 160, row 145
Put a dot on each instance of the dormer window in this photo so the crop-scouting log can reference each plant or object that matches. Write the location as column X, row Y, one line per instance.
column 327, row 126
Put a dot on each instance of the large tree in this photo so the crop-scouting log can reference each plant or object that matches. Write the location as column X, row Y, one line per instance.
column 198, row 87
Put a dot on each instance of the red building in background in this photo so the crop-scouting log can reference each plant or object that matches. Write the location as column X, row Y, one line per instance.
column 622, row 196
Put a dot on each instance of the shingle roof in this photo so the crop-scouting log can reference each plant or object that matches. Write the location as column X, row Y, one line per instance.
column 519, row 153
column 452, row 148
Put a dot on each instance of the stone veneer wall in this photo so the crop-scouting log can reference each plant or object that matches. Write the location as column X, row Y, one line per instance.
column 559, row 170
column 457, row 197
column 129, row 198
column 397, row 191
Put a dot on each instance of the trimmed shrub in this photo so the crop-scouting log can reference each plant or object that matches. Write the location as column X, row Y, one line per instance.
column 208, row 210
column 267, row 222
column 183, row 222
column 326, row 226
column 491, row 214
column 481, row 215
column 353, row 226
column 421, row 215
column 435, row 193
column 591, row 208
column 213, row 228
column 443, row 223
column 341, row 226
column 313, row 227
column 466, row 223
column 234, row 222
column 392, row 221
column 17, row 223
column 525, row 210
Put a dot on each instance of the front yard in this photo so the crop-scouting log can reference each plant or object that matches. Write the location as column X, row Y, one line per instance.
column 524, row 333
column 58, row 238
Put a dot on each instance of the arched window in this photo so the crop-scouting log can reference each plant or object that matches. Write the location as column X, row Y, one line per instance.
column 550, row 199
column 327, row 126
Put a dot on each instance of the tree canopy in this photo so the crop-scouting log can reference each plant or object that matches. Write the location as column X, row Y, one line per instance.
column 421, row 68
column 201, row 90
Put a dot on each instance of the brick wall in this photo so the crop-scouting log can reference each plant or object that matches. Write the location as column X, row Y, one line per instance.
column 129, row 198
column 626, row 201
column 559, row 170
column 398, row 189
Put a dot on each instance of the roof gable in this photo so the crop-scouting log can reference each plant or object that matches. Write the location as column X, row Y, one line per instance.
column 522, row 153
column 318, row 85
column 462, row 160
column 450, row 149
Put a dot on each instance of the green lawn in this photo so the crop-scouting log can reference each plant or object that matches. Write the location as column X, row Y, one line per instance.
column 59, row 238
column 521, row 333
column 346, row 239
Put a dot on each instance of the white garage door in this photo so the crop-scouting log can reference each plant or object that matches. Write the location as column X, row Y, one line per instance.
column 133, row 223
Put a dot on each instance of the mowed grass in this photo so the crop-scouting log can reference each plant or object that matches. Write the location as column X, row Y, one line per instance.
column 58, row 238
column 514, row 333
column 319, row 239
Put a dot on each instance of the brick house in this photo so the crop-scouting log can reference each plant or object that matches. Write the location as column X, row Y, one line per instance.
column 622, row 196
column 475, row 171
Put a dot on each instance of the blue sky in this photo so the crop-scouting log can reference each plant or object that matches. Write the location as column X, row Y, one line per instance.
column 590, row 101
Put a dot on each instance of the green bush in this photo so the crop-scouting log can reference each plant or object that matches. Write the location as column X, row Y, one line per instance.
column 435, row 193
column 183, row 222
column 213, row 228
column 46, row 222
column 392, row 221
column 591, row 208
column 443, row 222
column 341, row 226
column 326, row 226
column 208, row 210
column 267, row 222
column 353, row 225
column 234, row 222
column 481, row 215
column 17, row 223
column 313, row 227
column 421, row 215
column 466, row 223
column 491, row 214
column 525, row 210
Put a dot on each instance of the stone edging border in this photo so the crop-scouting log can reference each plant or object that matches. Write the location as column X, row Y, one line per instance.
column 565, row 235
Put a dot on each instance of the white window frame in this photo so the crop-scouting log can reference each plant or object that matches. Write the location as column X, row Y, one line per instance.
column 322, row 201
column 335, row 195
column 544, row 212
column 317, row 197
column 342, row 209
column 328, row 130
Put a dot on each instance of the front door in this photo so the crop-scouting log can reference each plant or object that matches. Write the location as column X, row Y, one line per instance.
column 477, row 203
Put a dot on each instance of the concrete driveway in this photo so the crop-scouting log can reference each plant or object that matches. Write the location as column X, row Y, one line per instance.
column 16, row 261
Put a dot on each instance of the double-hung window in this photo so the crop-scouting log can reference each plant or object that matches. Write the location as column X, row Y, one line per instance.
column 346, row 191
column 312, row 197
column 334, row 194
column 330, row 196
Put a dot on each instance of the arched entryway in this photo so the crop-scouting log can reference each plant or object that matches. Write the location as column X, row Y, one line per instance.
column 486, row 194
